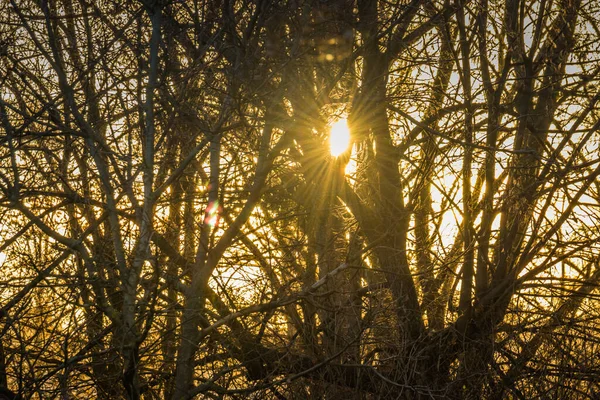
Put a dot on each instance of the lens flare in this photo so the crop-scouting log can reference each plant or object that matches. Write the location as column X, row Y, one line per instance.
column 339, row 138
column 212, row 214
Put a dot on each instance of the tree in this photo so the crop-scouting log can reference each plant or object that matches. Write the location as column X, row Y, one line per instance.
column 175, row 226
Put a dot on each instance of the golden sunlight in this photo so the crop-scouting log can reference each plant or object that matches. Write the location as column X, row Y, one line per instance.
column 339, row 138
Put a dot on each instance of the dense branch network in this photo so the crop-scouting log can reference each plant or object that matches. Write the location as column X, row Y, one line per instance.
column 173, row 224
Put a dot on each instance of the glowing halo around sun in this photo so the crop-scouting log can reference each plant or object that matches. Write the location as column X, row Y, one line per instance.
column 339, row 137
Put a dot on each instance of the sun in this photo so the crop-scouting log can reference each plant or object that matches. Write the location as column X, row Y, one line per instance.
column 339, row 138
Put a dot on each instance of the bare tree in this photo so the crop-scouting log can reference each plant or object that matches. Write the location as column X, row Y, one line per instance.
column 174, row 225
